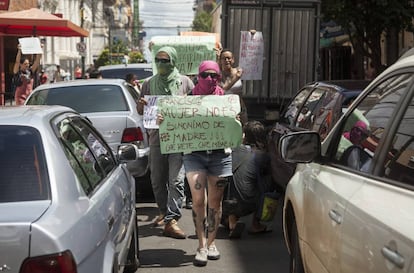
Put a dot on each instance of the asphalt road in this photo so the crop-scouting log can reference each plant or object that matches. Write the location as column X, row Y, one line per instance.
column 252, row 253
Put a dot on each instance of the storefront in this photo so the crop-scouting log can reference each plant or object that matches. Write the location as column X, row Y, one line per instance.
column 26, row 23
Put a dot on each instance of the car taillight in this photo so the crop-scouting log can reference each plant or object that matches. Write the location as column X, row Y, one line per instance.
column 55, row 263
column 132, row 134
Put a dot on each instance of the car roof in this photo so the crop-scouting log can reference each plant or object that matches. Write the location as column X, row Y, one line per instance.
column 345, row 85
column 81, row 82
column 30, row 115
column 121, row 66
column 348, row 88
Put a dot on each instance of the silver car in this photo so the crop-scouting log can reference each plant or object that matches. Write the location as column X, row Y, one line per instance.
column 349, row 206
column 67, row 203
column 119, row 71
column 110, row 104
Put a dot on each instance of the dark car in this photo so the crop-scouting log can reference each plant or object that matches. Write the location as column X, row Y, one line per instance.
column 316, row 107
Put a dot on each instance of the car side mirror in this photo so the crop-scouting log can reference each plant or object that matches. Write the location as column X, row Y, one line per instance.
column 127, row 152
column 300, row 147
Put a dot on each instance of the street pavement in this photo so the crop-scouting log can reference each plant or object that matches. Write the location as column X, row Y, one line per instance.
column 252, row 253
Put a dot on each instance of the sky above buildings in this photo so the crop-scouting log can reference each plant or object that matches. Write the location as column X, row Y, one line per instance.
column 165, row 17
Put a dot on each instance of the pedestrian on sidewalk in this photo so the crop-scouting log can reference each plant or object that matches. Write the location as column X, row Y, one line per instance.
column 167, row 170
column 207, row 173
column 24, row 75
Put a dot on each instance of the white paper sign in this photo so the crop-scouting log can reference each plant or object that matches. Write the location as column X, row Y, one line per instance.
column 150, row 112
column 30, row 45
column 251, row 55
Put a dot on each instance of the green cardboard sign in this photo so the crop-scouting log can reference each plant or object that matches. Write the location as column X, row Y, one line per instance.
column 191, row 51
column 199, row 123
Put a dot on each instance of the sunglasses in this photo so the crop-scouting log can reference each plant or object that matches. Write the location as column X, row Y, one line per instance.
column 163, row 61
column 211, row 74
column 361, row 132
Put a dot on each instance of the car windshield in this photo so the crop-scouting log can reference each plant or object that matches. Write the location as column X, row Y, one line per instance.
column 22, row 165
column 83, row 98
column 120, row 73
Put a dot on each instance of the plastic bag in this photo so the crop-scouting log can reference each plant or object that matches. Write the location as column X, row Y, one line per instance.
column 268, row 206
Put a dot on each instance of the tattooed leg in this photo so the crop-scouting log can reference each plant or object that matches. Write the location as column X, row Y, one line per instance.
column 197, row 182
column 216, row 187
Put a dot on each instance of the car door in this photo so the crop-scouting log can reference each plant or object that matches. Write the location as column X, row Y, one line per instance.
column 326, row 193
column 281, row 170
column 107, row 185
column 376, row 233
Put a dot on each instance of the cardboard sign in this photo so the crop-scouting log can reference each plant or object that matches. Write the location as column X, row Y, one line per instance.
column 30, row 45
column 191, row 51
column 251, row 55
column 199, row 123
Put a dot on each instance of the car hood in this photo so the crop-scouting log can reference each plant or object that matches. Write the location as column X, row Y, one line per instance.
column 15, row 227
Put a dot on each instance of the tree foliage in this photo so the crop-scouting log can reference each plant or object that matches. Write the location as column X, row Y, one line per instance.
column 202, row 21
column 366, row 21
column 115, row 54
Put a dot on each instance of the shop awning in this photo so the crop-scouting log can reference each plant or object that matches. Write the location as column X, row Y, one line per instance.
column 35, row 22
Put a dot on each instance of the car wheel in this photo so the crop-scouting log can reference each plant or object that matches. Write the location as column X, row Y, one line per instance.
column 132, row 263
column 296, row 263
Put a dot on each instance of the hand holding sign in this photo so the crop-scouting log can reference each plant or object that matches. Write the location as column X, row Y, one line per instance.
column 199, row 123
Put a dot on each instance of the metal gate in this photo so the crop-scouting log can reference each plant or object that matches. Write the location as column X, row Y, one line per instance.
column 291, row 41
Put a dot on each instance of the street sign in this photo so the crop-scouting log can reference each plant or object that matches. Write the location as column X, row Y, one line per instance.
column 81, row 48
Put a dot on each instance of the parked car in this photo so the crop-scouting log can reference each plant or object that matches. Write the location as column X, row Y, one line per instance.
column 110, row 104
column 317, row 106
column 349, row 205
column 67, row 203
column 119, row 71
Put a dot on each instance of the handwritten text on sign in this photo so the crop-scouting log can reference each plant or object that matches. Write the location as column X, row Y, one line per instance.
column 150, row 112
column 199, row 123
column 191, row 51
column 251, row 55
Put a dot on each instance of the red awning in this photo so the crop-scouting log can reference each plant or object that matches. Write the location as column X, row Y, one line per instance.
column 35, row 22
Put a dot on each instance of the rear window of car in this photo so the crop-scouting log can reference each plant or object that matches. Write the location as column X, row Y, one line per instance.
column 23, row 172
column 83, row 98
column 120, row 73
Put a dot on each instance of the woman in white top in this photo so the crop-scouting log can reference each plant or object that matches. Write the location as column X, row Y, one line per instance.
column 231, row 79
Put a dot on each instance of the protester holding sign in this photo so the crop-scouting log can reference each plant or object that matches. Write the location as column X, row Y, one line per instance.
column 231, row 81
column 167, row 171
column 207, row 173
column 23, row 76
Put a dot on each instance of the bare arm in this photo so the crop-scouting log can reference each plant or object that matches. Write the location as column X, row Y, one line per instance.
column 228, row 84
column 36, row 62
column 16, row 66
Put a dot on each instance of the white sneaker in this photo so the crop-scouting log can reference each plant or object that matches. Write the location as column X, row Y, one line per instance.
column 201, row 257
column 213, row 253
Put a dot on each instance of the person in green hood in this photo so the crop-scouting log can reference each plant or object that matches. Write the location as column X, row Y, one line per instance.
column 167, row 170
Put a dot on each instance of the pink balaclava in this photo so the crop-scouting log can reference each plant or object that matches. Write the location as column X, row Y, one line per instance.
column 358, row 133
column 208, row 86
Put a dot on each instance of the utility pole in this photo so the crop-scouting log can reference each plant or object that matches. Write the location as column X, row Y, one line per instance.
column 82, row 39
column 135, row 26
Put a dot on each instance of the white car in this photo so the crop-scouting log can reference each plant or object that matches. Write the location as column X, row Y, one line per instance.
column 111, row 105
column 67, row 203
column 349, row 207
